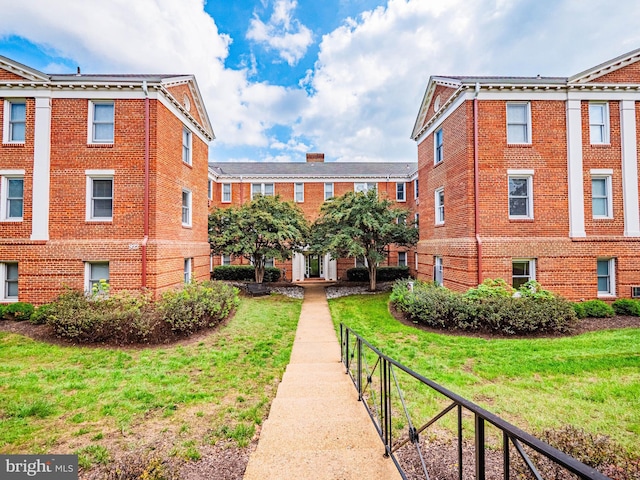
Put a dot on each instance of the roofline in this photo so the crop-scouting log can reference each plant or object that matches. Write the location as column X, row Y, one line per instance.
column 12, row 66
column 610, row 65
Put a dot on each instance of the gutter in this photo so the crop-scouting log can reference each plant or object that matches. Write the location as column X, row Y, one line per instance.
column 146, row 185
column 476, row 182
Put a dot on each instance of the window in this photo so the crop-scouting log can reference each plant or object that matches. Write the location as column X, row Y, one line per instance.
column 438, row 275
column 96, row 274
column 101, row 115
column 187, row 270
column 225, row 260
column 99, row 196
column 520, row 196
column 599, row 123
column 601, row 201
column 606, row 276
column 439, row 198
column 299, row 192
column 186, row 146
column 15, row 113
column 328, row 191
column 9, row 276
column 363, row 187
column 518, row 123
column 226, row 192
column 415, row 188
column 400, row 192
column 269, row 262
column 438, row 147
column 210, row 190
column 522, row 271
column 186, row 208
column 361, row 262
column 402, row 259
column 265, row 189
column 12, row 195
column 417, row 221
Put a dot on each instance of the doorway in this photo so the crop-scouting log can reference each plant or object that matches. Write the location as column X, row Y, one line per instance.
column 314, row 266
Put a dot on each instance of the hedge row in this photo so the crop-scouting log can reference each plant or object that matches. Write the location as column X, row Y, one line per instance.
column 18, row 311
column 383, row 274
column 243, row 273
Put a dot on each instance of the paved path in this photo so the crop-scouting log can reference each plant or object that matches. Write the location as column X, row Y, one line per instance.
column 317, row 429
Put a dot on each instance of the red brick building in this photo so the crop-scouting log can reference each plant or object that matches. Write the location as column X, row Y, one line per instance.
column 538, row 178
column 101, row 177
column 309, row 185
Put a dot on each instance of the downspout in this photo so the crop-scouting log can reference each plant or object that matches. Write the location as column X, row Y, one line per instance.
column 146, row 185
column 476, row 182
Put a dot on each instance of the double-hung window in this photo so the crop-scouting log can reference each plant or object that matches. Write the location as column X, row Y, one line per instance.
column 101, row 121
column 518, row 122
column 438, row 146
column 599, row 123
column 9, row 277
column 522, row 270
column 99, row 195
column 12, row 197
column 439, row 202
column 186, row 207
column 606, row 277
column 328, row 191
column 416, row 191
column 363, row 187
column 96, row 274
column 186, row 145
column 299, row 192
column 401, row 192
column 15, row 113
column 226, row 193
column 438, row 270
column 210, row 189
column 521, row 194
column 225, row 259
column 265, row 189
column 402, row 259
column 601, row 201
column 187, row 270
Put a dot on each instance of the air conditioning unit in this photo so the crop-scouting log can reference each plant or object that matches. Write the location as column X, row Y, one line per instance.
column 635, row 292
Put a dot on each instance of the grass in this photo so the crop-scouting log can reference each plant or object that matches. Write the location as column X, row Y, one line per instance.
column 590, row 381
column 96, row 400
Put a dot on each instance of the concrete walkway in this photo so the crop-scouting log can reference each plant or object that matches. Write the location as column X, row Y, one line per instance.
column 317, row 429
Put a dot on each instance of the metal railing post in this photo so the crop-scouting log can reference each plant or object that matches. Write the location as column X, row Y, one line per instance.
column 459, row 442
column 480, row 460
column 359, row 379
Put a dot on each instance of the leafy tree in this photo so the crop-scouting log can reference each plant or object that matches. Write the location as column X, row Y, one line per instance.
column 266, row 227
column 360, row 224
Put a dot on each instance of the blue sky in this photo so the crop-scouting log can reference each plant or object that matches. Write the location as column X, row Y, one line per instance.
column 344, row 77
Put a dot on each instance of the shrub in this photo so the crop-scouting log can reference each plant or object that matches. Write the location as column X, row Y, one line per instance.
column 594, row 308
column 383, row 274
column 2, row 307
column 243, row 273
column 40, row 315
column 18, row 311
column 490, row 289
column 627, row 306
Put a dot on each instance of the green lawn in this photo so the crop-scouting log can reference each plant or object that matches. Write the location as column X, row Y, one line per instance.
column 96, row 400
column 590, row 381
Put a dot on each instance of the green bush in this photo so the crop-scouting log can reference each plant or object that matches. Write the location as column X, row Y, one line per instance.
column 18, row 311
column 383, row 274
column 243, row 273
column 627, row 306
column 594, row 308
column 490, row 289
column 40, row 315
column 2, row 307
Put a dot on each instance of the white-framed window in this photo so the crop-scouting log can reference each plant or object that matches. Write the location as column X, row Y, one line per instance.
column 265, row 189
column 401, row 192
column 438, row 146
column 601, row 194
column 99, row 195
column 415, row 259
column 415, row 188
column 416, row 220
column 186, row 208
column 522, row 270
column 186, row 145
column 518, row 122
column 9, row 279
column 210, row 189
column 12, row 196
column 363, row 186
column 438, row 270
column 328, row 191
column 187, row 269
column 225, row 260
column 439, row 202
column 521, row 195
column 101, row 121
column 599, row 123
column 226, row 193
column 606, row 268
column 269, row 262
column 402, row 259
column 299, row 192
column 95, row 273
column 15, row 121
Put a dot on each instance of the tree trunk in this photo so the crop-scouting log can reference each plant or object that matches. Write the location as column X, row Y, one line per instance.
column 258, row 262
column 372, row 275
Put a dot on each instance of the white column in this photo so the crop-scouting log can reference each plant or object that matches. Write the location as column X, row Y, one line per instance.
column 330, row 268
column 574, row 169
column 297, row 267
column 41, row 170
column 628, row 131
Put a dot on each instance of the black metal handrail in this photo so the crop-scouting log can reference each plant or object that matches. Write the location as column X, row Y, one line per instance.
column 380, row 411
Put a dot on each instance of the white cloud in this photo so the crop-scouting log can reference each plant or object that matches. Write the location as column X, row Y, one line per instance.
column 282, row 33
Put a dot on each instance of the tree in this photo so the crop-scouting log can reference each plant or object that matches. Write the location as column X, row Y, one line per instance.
column 360, row 224
column 264, row 228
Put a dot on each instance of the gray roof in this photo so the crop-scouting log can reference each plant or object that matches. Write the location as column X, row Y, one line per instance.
column 314, row 169
column 539, row 80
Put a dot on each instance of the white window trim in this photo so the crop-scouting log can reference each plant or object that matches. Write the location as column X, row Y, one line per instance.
column 606, row 175
column 90, row 139
column 532, row 267
column 223, row 260
column 262, row 189
column 522, row 174
column 189, row 158
column 7, row 120
column 435, row 146
column 364, row 186
column 87, row 274
column 98, row 175
column 529, row 130
column 5, row 175
column 325, row 191
column 406, row 263
column 188, row 270
column 415, row 259
column 3, row 278
column 438, row 269
column 606, row 134
column 295, row 192
column 189, row 206
column 404, row 192
column 612, row 278
column 416, row 186
column 416, row 220
column 222, row 193
column 439, row 209
column 210, row 189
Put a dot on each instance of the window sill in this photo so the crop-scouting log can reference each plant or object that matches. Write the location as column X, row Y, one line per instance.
column 12, row 220
column 13, row 144
column 187, row 164
column 600, row 219
column 91, row 221
column 439, row 225
column 607, row 296
column 9, row 300
column 521, row 219
column 187, row 226
column 519, row 145
column 600, row 145
column 100, row 145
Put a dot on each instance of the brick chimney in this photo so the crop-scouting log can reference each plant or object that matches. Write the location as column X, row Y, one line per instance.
column 315, row 157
